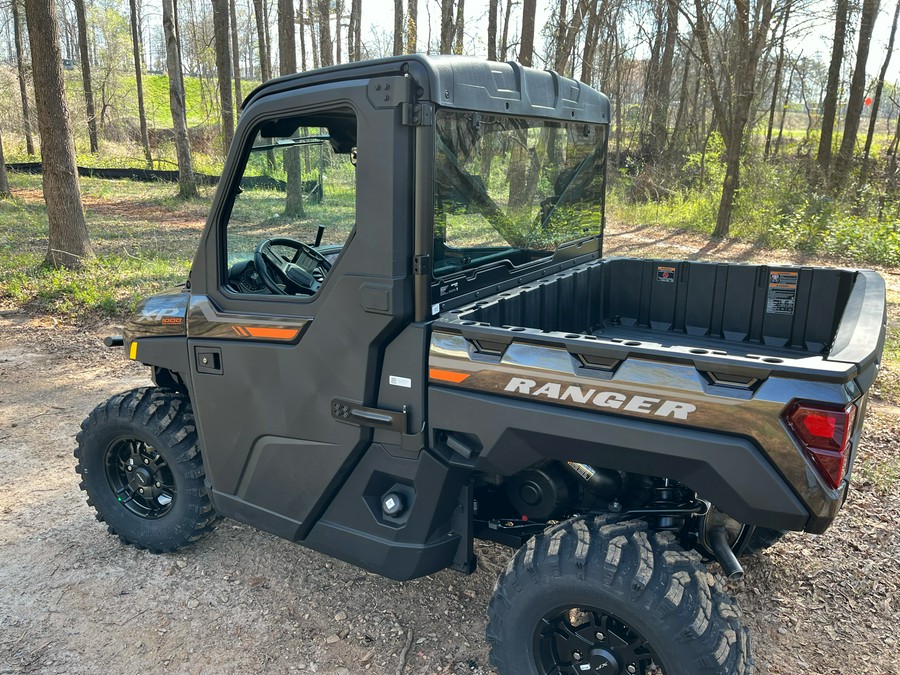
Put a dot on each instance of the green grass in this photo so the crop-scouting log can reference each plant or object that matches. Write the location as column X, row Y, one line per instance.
column 144, row 240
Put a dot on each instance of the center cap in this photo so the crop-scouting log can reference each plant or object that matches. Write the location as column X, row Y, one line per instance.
column 142, row 476
column 603, row 661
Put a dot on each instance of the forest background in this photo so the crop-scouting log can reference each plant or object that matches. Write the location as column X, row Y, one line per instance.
column 771, row 120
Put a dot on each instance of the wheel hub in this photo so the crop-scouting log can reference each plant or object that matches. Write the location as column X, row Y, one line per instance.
column 588, row 640
column 604, row 661
column 141, row 479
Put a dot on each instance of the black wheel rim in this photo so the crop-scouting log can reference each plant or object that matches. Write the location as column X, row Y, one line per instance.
column 140, row 478
column 582, row 640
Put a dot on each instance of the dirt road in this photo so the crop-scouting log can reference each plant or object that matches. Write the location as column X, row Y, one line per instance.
column 74, row 600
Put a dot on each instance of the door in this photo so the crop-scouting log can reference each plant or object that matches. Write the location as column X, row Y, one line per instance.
column 299, row 284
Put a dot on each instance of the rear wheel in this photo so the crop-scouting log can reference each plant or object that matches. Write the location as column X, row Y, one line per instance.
column 612, row 598
column 141, row 467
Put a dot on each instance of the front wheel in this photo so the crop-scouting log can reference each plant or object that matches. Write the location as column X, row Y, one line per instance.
column 588, row 596
column 140, row 465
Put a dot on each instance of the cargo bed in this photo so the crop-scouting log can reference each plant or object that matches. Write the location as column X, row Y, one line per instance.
column 810, row 322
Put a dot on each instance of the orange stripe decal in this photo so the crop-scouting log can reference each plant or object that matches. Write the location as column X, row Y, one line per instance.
column 447, row 375
column 272, row 333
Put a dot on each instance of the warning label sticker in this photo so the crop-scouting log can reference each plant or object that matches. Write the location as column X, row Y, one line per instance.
column 782, row 293
column 665, row 274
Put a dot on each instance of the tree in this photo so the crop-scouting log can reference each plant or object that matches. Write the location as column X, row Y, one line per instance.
column 412, row 19
column 526, row 45
column 733, row 85
column 325, row 46
column 139, row 80
column 222, row 37
column 776, row 82
column 447, row 28
column 86, row 75
column 844, row 159
column 398, row 27
column 5, row 192
column 23, row 85
column 67, row 242
column 659, row 110
column 235, row 53
column 504, row 36
column 492, row 30
column 287, row 55
column 879, row 88
column 590, row 42
column 338, row 15
column 354, row 31
column 313, row 22
column 265, row 63
column 187, row 182
column 829, row 104
column 458, row 27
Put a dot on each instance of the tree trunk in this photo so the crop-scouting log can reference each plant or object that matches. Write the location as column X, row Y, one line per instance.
column 235, row 53
column 879, row 87
column 86, row 75
column 23, row 86
column 682, row 99
column 339, row 13
column 325, row 46
column 492, row 30
column 784, row 108
column 398, row 27
column 139, row 81
column 659, row 116
column 504, row 37
column 560, row 37
column 187, row 183
column 5, row 192
column 526, row 44
column 893, row 151
column 590, row 44
column 447, row 31
column 776, row 81
column 459, row 27
column 265, row 63
column 312, row 13
column 68, row 243
column 829, row 105
column 412, row 20
column 844, row 160
column 287, row 55
column 301, row 20
column 222, row 39
column 729, row 187
column 354, row 31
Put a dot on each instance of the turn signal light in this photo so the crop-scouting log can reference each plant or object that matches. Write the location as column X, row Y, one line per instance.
column 824, row 432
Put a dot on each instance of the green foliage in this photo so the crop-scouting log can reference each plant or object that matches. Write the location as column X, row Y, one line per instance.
column 778, row 205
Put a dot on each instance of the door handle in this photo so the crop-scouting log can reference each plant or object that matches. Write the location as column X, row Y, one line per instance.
column 208, row 360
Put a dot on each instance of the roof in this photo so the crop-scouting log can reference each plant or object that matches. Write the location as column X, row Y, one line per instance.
column 465, row 83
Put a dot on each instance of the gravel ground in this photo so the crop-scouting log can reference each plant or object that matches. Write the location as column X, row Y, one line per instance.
column 74, row 600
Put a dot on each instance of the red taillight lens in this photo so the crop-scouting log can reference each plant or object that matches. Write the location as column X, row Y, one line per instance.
column 825, row 435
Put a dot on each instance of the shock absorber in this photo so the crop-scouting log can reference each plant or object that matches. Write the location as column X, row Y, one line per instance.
column 667, row 496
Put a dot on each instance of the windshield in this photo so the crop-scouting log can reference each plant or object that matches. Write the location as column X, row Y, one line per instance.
column 511, row 190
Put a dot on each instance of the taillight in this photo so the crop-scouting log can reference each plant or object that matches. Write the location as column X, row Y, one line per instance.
column 824, row 433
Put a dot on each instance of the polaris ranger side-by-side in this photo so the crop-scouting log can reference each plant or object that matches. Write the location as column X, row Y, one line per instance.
column 399, row 334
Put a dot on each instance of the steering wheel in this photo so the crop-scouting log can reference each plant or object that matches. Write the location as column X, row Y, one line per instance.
column 272, row 267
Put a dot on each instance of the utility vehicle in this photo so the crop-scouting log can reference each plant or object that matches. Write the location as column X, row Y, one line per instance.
column 407, row 338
